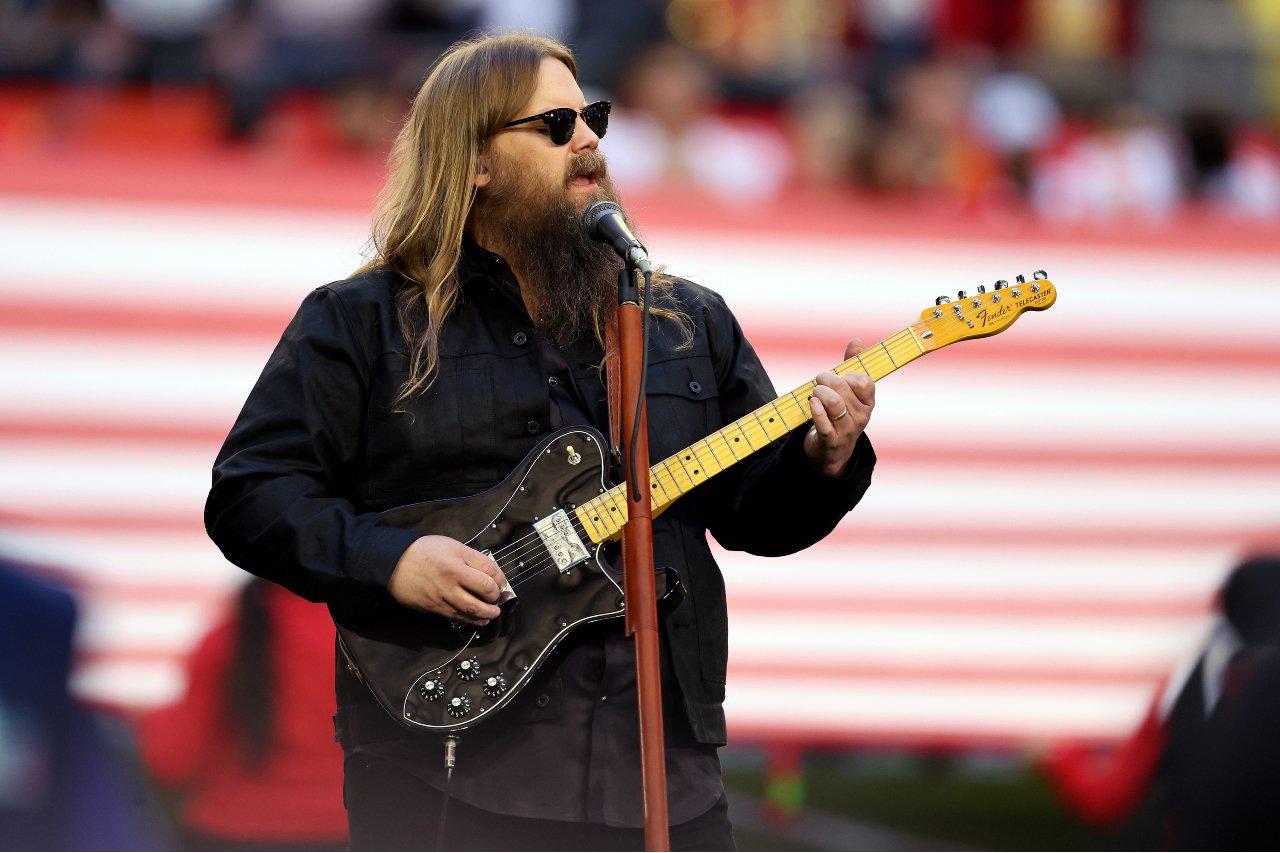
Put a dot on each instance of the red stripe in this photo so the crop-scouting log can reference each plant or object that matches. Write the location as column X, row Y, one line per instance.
column 165, row 323
column 97, row 432
column 1043, row 674
column 1022, row 352
column 841, row 605
column 807, row 735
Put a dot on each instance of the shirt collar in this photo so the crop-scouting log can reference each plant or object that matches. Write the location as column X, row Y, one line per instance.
column 478, row 267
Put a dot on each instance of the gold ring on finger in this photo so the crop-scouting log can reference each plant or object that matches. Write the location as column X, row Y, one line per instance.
column 839, row 416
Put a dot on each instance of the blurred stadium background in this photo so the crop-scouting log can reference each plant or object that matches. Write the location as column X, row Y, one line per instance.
column 1053, row 508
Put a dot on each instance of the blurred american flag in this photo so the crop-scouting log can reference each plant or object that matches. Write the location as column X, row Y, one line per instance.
column 1052, row 510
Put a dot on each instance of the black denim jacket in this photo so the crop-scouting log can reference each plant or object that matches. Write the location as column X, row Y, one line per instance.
column 317, row 452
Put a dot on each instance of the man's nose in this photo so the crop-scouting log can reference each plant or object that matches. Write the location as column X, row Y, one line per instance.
column 584, row 138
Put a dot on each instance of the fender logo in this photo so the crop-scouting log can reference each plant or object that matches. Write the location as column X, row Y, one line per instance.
column 990, row 317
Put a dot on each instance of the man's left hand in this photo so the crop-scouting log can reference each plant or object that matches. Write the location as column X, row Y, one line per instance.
column 841, row 407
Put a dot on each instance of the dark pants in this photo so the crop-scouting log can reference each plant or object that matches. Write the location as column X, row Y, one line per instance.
column 389, row 809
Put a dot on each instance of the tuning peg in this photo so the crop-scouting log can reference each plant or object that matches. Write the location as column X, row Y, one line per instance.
column 941, row 299
column 1022, row 279
column 1040, row 275
column 961, row 295
column 1001, row 284
column 982, row 288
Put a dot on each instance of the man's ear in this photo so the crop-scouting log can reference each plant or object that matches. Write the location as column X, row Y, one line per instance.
column 481, row 179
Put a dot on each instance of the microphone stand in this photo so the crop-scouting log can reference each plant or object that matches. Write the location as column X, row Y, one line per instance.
column 637, row 560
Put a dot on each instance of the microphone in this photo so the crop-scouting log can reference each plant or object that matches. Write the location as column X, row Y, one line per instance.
column 604, row 221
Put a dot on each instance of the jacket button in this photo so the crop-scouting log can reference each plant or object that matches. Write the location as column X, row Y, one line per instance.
column 542, row 701
column 551, row 380
column 533, row 428
column 520, row 338
column 695, row 386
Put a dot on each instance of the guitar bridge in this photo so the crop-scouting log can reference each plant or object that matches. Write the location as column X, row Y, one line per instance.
column 561, row 540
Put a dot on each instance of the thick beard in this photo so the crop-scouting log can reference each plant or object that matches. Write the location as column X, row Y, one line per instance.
column 568, row 277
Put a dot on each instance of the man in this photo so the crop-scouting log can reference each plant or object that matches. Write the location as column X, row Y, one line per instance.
column 479, row 326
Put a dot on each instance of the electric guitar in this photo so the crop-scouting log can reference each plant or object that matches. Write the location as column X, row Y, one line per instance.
column 550, row 524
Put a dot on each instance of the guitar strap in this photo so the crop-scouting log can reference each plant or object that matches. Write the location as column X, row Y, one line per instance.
column 613, row 384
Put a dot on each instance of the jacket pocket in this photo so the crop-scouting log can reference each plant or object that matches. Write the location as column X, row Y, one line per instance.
column 683, row 404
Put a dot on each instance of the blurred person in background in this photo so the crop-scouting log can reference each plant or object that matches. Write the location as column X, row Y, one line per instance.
column 927, row 146
column 668, row 123
column 1130, row 168
column 64, row 785
column 39, row 38
column 156, row 41
column 281, row 45
column 831, row 135
column 248, row 748
column 1202, row 771
column 480, row 325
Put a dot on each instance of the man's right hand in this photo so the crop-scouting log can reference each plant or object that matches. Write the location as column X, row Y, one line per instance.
column 440, row 575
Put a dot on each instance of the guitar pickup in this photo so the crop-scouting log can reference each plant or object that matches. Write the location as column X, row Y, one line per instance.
column 561, row 540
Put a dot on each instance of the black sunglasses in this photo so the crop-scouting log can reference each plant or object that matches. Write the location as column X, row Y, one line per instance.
column 561, row 121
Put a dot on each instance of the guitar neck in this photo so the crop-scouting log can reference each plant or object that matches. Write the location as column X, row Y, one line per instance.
column 603, row 516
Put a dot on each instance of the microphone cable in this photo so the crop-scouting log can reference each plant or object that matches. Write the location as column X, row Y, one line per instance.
column 644, row 374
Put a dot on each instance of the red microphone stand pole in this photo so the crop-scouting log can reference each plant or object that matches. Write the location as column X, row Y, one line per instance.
column 637, row 563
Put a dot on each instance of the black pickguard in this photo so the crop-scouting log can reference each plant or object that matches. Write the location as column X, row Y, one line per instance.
column 399, row 653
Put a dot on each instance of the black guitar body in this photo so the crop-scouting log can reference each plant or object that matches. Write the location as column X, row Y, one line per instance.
column 433, row 674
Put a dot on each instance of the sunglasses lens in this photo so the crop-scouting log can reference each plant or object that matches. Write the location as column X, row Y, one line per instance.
column 596, row 117
column 560, row 125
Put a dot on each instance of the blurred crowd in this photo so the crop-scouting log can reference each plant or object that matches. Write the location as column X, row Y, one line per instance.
column 1077, row 108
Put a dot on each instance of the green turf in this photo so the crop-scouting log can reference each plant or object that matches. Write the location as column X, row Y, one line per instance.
column 995, row 805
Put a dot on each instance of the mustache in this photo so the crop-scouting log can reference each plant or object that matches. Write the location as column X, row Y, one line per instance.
column 589, row 165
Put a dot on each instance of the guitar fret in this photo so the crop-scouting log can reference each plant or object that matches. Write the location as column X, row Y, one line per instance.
column 724, row 434
column 705, row 467
column 584, row 516
column 655, row 485
column 664, row 467
column 886, row 352
column 743, row 432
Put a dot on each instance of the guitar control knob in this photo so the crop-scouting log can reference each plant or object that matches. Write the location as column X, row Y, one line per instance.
column 961, row 295
column 495, row 685
column 459, row 706
column 941, row 300
column 1001, row 284
column 468, row 669
column 431, row 689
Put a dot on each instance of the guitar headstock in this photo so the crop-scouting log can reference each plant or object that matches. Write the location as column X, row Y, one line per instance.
column 983, row 313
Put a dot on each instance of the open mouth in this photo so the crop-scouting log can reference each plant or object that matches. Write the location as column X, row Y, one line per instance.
column 585, row 179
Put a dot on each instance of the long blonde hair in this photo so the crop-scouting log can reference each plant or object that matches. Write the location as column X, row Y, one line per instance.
column 421, row 215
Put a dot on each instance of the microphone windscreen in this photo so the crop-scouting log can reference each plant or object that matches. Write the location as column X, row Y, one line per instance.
column 596, row 211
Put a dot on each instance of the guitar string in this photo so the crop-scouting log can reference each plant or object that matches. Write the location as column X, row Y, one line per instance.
column 786, row 401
